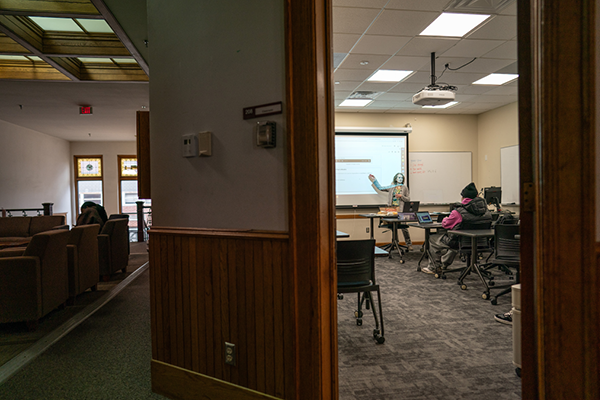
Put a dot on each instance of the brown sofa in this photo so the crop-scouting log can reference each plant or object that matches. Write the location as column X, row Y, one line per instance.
column 113, row 245
column 82, row 255
column 35, row 283
column 23, row 228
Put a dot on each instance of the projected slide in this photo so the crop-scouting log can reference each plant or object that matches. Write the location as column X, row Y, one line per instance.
column 357, row 156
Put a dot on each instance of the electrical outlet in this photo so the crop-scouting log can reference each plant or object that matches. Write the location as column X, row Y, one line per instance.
column 230, row 353
column 367, row 230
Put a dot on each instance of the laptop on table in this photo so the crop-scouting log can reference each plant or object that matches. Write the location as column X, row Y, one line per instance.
column 424, row 218
column 411, row 206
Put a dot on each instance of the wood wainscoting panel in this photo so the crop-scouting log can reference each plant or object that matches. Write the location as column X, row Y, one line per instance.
column 209, row 287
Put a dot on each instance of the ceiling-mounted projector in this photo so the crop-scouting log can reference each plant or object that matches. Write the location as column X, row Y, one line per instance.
column 433, row 97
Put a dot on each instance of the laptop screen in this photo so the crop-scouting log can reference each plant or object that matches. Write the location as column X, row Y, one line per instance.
column 424, row 217
column 407, row 216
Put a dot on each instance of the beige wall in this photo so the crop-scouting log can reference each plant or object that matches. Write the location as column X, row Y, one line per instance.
column 34, row 169
column 109, row 152
column 496, row 129
column 483, row 135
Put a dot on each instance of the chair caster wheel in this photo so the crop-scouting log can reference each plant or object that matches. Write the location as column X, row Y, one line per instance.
column 340, row 297
column 380, row 339
column 358, row 314
column 494, row 302
column 401, row 261
column 485, row 295
column 443, row 276
column 491, row 283
column 418, row 269
column 463, row 286
column 518, row 372
column 359, row 322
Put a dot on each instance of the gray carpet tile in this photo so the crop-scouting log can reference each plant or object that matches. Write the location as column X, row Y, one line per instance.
column 106, row 357
column 441, row 342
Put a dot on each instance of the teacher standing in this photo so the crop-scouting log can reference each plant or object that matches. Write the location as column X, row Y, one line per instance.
column 398, row 194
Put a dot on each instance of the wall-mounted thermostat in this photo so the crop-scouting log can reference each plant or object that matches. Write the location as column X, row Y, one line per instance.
column 265, row 134
column 190, row 145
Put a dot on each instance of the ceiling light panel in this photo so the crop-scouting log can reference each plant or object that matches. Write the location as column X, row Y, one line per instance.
column 496, row 79
column 56, row 24
column 18, row 58
column 454, row 25
column 355, row 102
column 386, row 75
column 95, row 25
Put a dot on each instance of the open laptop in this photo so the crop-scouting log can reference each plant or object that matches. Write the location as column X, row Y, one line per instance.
column 407, row 217
column 424, row 217
column 411, row 206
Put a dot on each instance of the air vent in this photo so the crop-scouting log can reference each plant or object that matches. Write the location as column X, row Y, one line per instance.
column 478, row 6
column 364, row 95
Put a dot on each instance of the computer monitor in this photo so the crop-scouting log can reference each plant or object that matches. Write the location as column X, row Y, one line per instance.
column 492, row 195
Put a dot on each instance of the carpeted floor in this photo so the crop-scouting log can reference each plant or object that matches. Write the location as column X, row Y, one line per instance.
column 16, row 337
column 441, row 342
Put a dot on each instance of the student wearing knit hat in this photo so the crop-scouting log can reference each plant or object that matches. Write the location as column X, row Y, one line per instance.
column 473, row 209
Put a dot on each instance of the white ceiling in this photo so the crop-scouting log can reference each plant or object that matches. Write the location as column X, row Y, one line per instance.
column 382, row 32
column 386, row 34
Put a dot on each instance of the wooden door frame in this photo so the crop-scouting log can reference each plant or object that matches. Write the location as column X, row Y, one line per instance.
column 557, row 108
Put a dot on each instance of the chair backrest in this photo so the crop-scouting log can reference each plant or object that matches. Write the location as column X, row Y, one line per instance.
column 119, row 216
column 356, row 262
column 506, row 246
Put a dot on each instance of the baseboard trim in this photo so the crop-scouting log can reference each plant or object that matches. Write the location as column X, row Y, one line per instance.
column 182, row 384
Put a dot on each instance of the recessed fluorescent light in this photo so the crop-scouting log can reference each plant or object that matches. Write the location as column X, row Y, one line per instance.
column 454, row 25
column 452, row 103
column 496, row 79
column 389, row 75
column 355, row 102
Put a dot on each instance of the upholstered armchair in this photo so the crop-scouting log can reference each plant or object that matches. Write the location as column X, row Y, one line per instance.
column 82, row 252
column 36, row 282
column 113, row 245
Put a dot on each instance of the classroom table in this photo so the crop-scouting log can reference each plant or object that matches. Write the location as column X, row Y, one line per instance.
column 371, row 216
column 426, row 251
column 340, row 234
column 474, row 234
column 395, row 241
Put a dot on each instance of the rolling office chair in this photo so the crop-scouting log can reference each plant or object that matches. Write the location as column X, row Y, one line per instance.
column 356, row 274
column 507, row 253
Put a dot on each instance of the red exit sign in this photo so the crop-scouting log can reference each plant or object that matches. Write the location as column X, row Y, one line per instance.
column 85, row 110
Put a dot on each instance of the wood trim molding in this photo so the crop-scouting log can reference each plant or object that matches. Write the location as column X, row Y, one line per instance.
column 142, row 119
column 178, row 383
column 232, row 233
column 559, row 255
column 311, row 197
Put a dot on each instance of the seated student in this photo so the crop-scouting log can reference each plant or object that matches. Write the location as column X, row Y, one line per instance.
column 471, row 209
column 397, row 195
column 92, row 213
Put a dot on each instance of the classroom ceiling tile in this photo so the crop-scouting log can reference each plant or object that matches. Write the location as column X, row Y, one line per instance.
column 420, row 46
column 504, row 90
column 360, row 3
column 353, row 20
column 406, row 63
column 370, row 62
column 505, row 50
column 389, row 96
column 344, row 42
column 416, row 5
column 486, row 65
column 355, row 75
column 375, row 44
column 499, row 27
column 401, row 23
column 345, row 86
column 472, row 48
column 510, row 10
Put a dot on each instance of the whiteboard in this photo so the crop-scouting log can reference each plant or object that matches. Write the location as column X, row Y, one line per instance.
column 509, row 174
column 439, row 177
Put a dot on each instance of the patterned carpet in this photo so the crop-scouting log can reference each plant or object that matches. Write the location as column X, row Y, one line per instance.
column 441, row 342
